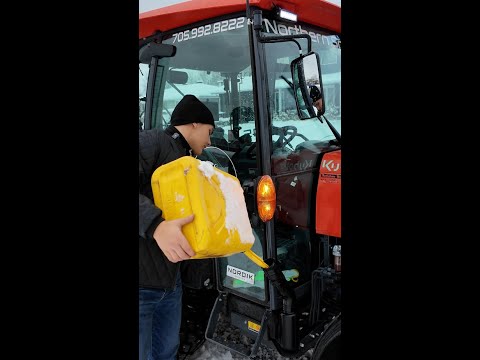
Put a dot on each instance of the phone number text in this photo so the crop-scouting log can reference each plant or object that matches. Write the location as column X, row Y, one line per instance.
column 209, row 29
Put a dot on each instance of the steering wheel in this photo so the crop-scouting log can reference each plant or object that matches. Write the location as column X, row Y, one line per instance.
column 285, row 135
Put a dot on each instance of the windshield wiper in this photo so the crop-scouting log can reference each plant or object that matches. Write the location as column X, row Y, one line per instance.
column 334, row 131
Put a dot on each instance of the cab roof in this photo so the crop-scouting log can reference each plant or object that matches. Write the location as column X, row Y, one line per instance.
column 316, row 12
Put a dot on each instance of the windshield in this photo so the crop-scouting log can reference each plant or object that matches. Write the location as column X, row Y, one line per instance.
column 221, row 78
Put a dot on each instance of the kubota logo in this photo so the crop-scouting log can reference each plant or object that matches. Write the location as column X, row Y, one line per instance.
column 330, row 165
column 297, row 166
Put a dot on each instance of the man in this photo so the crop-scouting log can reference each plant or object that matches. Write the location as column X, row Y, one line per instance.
column 316, row 97
column 162, row 245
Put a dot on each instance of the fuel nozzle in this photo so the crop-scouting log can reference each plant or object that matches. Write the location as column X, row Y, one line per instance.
column 276, row 276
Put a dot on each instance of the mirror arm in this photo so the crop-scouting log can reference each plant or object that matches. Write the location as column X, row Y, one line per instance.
column 287, row 81
column 175, row 87
column 281, row 38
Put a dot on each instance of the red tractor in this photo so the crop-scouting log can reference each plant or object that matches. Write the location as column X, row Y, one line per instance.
column 270, row 72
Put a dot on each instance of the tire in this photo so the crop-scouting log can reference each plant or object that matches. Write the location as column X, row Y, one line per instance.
column 328, row 346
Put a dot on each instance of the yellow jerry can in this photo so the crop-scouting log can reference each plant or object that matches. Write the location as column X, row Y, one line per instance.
column 221, row 226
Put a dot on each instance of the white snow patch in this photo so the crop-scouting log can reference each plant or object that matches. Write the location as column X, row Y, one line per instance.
column 236, row 210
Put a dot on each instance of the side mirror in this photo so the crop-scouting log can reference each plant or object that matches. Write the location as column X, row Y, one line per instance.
column 153, row 49
column 177, row 77
column 307, row 86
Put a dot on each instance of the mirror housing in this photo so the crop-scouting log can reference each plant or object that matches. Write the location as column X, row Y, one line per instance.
column 307, row 86
column 177, row 77
column 153, row 49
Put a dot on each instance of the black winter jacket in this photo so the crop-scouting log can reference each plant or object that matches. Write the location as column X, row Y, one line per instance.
column 157, row 147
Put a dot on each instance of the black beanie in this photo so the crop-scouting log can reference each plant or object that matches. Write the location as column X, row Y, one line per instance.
column 191, row 110
column 315, row 93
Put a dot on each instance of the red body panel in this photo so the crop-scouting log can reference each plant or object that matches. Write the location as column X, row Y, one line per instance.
column 315, row 12
column 294, row 181
column 328, row 205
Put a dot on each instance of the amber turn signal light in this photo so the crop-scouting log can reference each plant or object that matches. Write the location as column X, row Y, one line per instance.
column 266, row 198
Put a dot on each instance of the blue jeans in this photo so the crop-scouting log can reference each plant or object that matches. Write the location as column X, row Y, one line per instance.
column 159, row 323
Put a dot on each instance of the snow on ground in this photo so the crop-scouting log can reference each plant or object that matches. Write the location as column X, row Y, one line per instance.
column 211, row 351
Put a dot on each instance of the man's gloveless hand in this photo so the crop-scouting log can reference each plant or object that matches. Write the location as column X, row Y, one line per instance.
column 171, row 240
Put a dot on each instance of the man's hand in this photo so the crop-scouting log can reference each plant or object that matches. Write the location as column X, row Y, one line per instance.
column 171, row 240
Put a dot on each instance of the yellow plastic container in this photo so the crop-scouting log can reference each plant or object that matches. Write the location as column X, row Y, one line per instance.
column 221, row 226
